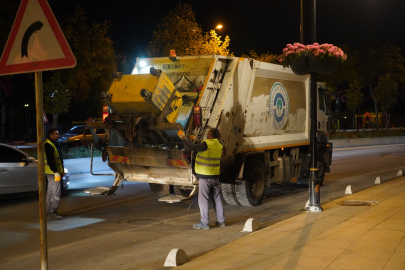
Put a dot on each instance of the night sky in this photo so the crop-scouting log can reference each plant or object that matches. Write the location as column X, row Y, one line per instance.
column 262, row 25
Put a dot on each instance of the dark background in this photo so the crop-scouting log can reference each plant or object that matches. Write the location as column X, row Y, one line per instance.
column 262, row 25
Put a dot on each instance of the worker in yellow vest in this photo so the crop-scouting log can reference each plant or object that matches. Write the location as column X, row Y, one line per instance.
column 54, row 173
column 207, row 169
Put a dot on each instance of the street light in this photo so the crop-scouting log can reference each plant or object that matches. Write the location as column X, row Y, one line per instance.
column 219, row 26
column 314, row 182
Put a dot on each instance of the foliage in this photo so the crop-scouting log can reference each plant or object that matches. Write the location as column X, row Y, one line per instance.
column 180, row 31
column 315, row 51
column 68, row 153
column 80, row 152
column 210, row 43
column 56, row 94
column 386, row 92
column 366, row 134
column 375, row 65
column 264, row 57
column 95, row 58
column 354, row 96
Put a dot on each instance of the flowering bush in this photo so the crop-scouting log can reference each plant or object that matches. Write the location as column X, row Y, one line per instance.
column 315, row 51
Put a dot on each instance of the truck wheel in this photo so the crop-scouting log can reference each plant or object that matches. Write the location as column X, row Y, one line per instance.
column 250, row 191
column 228, row 193
column 182, row 191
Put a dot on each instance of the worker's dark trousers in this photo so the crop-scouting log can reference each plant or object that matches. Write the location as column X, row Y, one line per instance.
column 52, row 194
column 210, row 188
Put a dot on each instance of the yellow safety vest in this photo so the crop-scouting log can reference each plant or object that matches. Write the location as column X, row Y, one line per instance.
column 56, row 158
column 208, row 162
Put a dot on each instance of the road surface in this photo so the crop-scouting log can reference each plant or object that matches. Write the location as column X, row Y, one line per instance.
column 132, row 230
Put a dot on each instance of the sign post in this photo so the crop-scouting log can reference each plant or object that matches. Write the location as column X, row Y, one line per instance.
column 41, row 170
column 36, row 43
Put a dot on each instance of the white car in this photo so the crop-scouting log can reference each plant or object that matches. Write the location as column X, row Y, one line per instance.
column 19, row 171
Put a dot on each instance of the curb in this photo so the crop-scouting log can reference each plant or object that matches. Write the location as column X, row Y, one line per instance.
column 368, row 141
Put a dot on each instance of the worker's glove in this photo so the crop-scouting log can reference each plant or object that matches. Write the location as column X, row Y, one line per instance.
column 57, row 177
column 181, row 134
column 192, row 137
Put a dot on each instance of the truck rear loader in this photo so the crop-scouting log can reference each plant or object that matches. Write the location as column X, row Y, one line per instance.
column 262, row 111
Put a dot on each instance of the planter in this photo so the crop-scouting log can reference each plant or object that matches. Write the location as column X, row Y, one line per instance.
column 326, row 65
column 300, row 65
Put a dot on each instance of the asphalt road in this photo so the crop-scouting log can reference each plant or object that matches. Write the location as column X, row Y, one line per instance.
column 132, row 230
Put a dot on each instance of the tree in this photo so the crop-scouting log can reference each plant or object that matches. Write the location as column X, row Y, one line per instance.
column 345, row 77
column 180, row 31
column 375, row 65
column 264, row 57
column 95, row 58
column 386, row 93
column 57, row 96
column 354, row 99
column 210, row 43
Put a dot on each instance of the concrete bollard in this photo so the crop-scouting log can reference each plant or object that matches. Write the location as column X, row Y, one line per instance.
column 400, row 173
column 348, row 189
column 251, row 225
column 378, row 180
column 176, row 257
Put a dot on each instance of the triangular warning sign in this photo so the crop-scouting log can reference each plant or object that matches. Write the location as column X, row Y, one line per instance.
column 36, row 42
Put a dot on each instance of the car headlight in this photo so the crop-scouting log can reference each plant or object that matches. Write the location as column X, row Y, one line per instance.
column 65, row 170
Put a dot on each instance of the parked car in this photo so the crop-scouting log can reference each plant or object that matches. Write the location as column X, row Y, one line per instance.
column 19, row 171
column 79, row 135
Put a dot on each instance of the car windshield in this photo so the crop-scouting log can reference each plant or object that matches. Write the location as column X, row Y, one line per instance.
column 77, row 130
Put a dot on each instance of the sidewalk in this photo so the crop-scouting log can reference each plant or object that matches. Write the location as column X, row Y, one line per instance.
column 340, row 237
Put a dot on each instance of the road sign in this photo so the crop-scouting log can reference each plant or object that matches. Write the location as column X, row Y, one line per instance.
column 36, row 42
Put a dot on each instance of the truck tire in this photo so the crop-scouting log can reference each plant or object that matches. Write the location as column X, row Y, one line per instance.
column 250, row 190
column 228, row 193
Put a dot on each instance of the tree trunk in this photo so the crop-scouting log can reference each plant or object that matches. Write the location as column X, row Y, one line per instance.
column 354, row 119
column 376, row 115
column 371, row 90
column 55, row 120
column 3, row 123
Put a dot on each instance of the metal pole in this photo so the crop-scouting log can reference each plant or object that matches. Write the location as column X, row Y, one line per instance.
column 302, row 25
column 41, row 170
column 314, row 185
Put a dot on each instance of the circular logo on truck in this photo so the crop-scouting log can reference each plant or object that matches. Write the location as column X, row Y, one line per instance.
column 279, row 105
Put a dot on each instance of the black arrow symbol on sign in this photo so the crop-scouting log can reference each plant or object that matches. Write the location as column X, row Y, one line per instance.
column 24, row 44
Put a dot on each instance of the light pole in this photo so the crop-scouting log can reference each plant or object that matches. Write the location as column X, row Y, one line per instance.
column 314, row 185
column 26, row 120
column 302, row 25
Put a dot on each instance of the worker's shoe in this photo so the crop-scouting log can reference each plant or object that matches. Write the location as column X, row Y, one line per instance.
column 220, row 224
column 54, row 216
column 201, row 226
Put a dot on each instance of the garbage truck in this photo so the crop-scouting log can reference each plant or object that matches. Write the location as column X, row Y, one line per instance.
column 262, row 111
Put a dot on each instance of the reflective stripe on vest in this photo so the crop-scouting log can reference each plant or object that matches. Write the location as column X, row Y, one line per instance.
column 208, row 162
column 56, row 158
